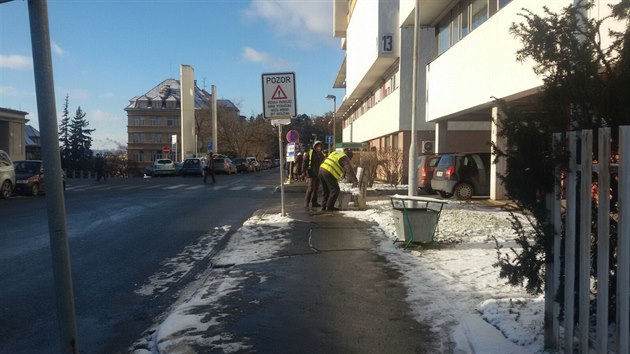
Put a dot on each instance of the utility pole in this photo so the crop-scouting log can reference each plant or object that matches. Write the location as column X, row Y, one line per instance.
column 215, row 120
column 413, row 150
column 55, row 204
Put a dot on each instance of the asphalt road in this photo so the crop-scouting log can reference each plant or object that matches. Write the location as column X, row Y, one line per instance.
column 120, row 233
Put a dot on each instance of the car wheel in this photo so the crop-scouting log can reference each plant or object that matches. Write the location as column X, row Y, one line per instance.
column 5, row 190
column 463, row 191
column 35, row 189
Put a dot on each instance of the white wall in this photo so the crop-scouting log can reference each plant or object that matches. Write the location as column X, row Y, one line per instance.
column 362, row 42
column 483, row 64
column 380, row 120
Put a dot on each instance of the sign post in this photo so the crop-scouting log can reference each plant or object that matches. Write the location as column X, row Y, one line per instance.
column 279, row 105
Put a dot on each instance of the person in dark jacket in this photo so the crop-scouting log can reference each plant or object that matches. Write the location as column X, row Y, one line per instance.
column 208, row 169
column 330, row 171
column 310, row 166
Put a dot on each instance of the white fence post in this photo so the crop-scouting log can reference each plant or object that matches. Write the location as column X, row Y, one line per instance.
column 623, row 243
column 584, row 272
column 569, row 258
column 603, row 239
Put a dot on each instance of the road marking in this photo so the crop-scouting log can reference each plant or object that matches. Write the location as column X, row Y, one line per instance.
column 176, row 186
column 259, row 188
column 219, row 187
column 237, row 188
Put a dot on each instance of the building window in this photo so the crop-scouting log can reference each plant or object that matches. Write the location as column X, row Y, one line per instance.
column 172, row 122
column 156, row 138
column 138, row 121
column 140, row 156
column 455, row 26
column 155, row 121
column 478, row 13
column 157, row 103
column 464, row 22
column 156, row 155
column 444, row 35
column 138, row 137
column 502, row 3
column 170, row 104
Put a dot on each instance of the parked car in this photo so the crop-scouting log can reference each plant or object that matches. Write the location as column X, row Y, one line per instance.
column 252, row 161
column 164, row 167
column 463, row 175
column 224, row 165
column 426, row 166
column 7, row 175
column 29, row 177
column 242, row 165
column 192, row 166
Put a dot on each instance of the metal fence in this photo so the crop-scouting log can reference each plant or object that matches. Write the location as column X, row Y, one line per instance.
column 591, row 331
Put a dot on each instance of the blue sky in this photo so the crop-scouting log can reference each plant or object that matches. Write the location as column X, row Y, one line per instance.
column 105, row 52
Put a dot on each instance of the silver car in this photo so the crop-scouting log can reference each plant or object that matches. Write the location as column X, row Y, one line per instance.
column 7, row 175
column 164, row 167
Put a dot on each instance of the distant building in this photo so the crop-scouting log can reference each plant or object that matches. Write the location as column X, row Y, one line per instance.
column 154, row 117
column 32, row 143
column 13, row 133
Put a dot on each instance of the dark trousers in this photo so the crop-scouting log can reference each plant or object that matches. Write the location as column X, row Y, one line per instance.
column 330, row 187
column 208, row 171
column 312, row 187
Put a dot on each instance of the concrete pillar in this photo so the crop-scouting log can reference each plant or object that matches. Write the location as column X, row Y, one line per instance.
column 441, row 129
column 497, row 190
column 187, row 94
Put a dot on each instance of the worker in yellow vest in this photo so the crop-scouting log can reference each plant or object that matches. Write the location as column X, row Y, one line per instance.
column 330, row 171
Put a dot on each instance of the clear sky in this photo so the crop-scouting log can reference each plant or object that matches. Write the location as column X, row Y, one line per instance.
column 105, row 52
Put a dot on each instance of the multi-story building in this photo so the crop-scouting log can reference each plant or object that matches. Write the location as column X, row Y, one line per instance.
column 155, row 117
column 13, row 133
column 466, row 58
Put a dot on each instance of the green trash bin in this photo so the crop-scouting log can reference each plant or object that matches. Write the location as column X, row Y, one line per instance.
column 415, row 218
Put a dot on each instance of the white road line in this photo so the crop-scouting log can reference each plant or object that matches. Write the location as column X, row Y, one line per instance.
column 237, row 188
column 259, row 188
column 175, row 186
column 219, row 187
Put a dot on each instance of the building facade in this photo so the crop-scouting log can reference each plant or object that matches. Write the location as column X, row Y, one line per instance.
column 13, row 133
column 154, row 122
column 467, row 58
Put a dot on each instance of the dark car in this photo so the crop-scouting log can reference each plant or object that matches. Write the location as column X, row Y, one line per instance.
column 192, row 167
column 29, row 177
column 242, row 165
column 463, row 175
column 426, row 166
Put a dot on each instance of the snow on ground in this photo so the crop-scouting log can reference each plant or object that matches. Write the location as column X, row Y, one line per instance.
column 445, row 286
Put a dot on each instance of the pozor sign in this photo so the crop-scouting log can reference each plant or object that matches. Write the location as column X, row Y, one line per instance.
column 279, row 95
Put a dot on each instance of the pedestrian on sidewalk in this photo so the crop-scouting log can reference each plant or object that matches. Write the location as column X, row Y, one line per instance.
column 99, row 166
column 208, row 169
column 297, row 167
column 329, row 173
column 311, row 164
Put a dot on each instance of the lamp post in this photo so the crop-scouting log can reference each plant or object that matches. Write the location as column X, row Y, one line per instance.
column 334, row 99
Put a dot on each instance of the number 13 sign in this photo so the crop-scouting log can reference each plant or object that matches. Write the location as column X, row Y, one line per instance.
column 387, row 43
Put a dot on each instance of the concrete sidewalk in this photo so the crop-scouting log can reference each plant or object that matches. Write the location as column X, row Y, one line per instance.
column 327, row 291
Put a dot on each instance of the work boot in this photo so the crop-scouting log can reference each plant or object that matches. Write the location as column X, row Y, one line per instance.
column 316, row 205
column 333, row 209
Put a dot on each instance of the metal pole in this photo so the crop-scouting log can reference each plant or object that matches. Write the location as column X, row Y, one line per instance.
column 215, row 120
column 413, row 151
column 281, row 169
column 335, row 122
column 45, row 90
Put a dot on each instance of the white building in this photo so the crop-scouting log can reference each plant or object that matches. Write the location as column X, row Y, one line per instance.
column 467, row 57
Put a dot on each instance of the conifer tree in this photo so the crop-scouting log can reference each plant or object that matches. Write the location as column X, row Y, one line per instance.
column 80, row 141
column 64, row 135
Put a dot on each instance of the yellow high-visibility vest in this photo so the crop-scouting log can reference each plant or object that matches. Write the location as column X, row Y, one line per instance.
column 332, row 164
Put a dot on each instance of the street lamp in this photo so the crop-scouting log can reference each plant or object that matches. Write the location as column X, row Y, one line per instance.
column 334, row 99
